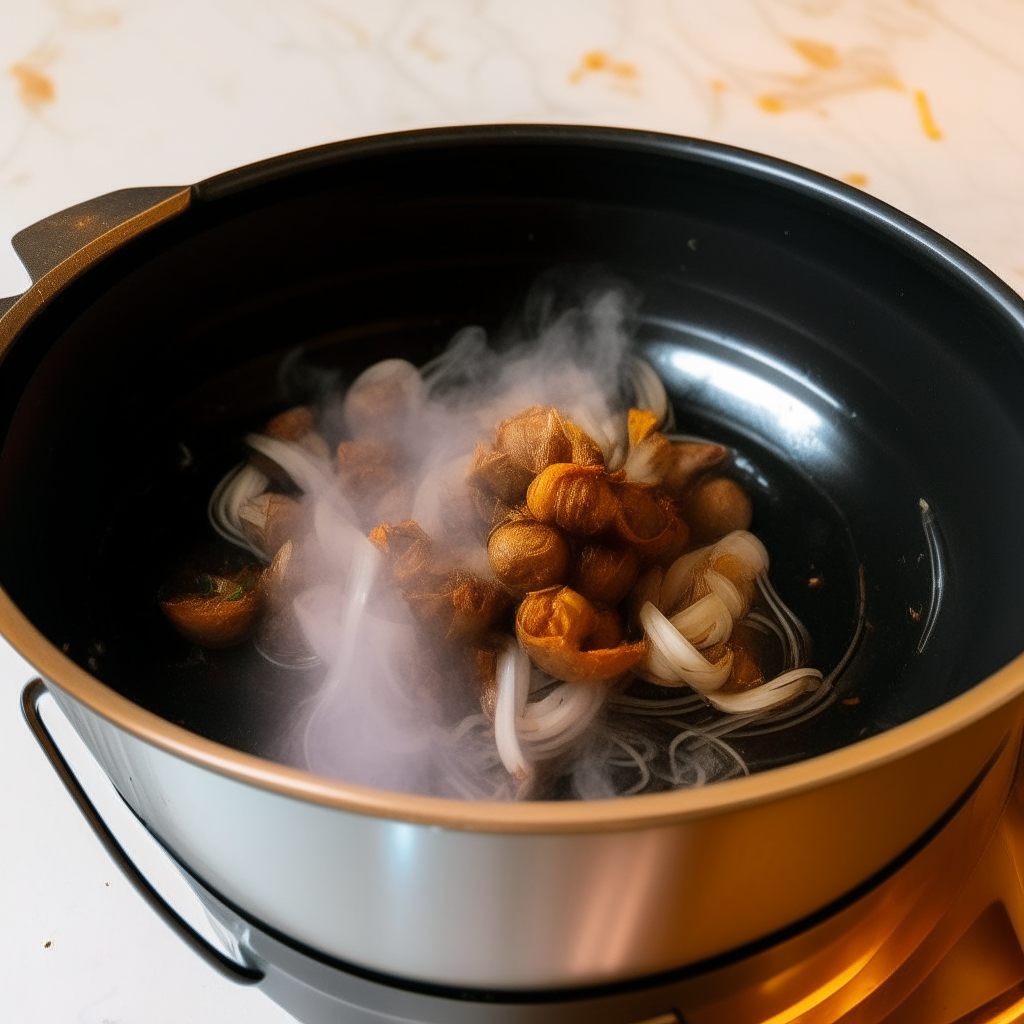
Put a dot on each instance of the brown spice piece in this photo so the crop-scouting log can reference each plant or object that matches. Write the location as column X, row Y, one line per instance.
column 271, row 519
column 554, row 625
column 279, row 634
column 292, row 425
column 526, row 555
column 603, row 574
column 496, row 473
column 756, row 658
column 606, row 633
column 476, row 603
column 382, row 398
column 648, row 520
column 220, row 619
column 746, row 673
column 410, row 554
column 687, row 461
column 487, row 680
column 367, row 468
column 490, row 509
column 540, row 436
column 715, row 508
column 452, row 602
column 298, row 425
column 461, row 606
column 647, row 588
column 579, row 499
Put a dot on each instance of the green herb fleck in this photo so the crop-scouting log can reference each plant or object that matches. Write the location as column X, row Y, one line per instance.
column 236, row 594
column 206, row 585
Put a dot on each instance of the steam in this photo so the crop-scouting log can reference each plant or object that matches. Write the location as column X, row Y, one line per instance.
column 399, row 708
column 396, row 710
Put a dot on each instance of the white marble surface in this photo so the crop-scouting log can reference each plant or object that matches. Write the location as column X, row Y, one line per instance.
column 921, row 102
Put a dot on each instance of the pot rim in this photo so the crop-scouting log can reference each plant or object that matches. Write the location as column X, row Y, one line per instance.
column 646, row 811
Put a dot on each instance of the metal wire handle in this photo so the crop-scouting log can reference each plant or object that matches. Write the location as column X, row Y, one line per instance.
column 225, row 965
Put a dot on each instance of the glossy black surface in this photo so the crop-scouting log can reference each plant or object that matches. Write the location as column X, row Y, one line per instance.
column 869, row 376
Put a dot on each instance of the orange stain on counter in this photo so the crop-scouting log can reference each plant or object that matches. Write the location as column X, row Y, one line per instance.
column 821, row 55
column 830, row 74
column 856, row 178
column 924, row 112
column 34, row 88
column 771, row 104
column 596, row 61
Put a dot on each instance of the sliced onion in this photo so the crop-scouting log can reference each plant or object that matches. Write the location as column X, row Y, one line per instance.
column 686, row 662
column 551, row 724
column 640, row 467
column 397, row 374
column 513, row 682
column 309, row 473
column 677, row 579
column 244, row 483
column 742, row 544
column 649, row 392
column 725, row 589
column 706, row 622
column 768, row 695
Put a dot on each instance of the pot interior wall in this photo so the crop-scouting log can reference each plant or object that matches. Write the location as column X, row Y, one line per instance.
column 855, row 378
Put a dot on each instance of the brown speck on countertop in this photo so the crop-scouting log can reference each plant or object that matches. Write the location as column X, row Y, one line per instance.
column 915, row 614
column 48, row 943
column 815, row 581
column 600, row 62
column 851, row 701
column 34, row 88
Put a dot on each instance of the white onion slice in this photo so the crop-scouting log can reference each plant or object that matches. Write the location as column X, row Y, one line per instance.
column 747, row 548
column 640, row 467
column 551, row 724
column 649, row 391
column 725, row 589
column 513, row 683
column 706, row 622
column 768, row 695
column 678, row 578
column 308, row 472
column 687, row 663
column 242, row 484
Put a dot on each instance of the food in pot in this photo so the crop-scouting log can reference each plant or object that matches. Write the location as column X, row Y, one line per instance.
column 504, row 580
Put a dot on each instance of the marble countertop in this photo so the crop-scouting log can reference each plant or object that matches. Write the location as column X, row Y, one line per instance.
column 920, row 102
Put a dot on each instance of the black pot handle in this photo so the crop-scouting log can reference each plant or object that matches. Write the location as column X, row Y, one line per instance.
column 103, row 223
column 241, row 973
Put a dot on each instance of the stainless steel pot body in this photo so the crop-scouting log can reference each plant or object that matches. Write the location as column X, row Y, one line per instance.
column 878, row 329
column 550, row 905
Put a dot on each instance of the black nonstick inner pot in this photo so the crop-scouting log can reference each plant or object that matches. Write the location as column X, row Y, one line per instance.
column 868, row 374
